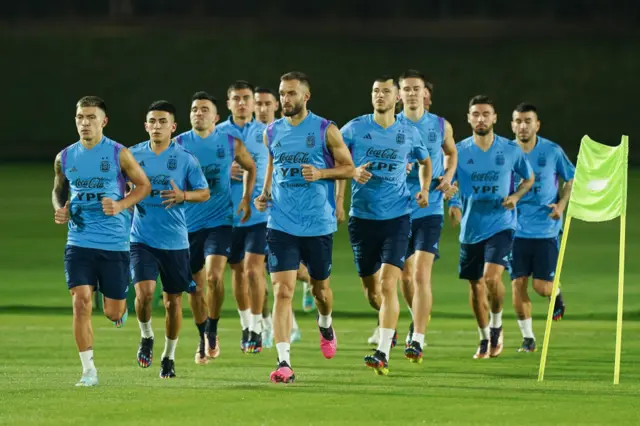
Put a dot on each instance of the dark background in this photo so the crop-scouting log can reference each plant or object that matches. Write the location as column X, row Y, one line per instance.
column 577, row 60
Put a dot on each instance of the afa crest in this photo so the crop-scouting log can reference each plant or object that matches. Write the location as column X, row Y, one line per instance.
column 311, row 140
column 172, row 164
column 500, row 159
column 542, row 161
column 220, row 152
column 432, row 135
column 259, row 138
column 105, row 166
column 400, row 138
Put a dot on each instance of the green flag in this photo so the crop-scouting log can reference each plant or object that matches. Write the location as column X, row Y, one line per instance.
column 600, row 185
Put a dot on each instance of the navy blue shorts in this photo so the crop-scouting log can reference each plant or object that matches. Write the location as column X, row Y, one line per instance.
column 248, row 239
column 375, row 242
column 106, row 270
column 534, row 256
column 208, row 242
column 172, row 265
column 287, row 251
column 495, row 249
column 425, row 235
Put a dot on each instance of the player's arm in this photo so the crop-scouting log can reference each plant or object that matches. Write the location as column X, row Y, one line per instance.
column 522, row 168
column 566, row 170
column 340, row 187
column 425, row 174
column 261, row 201
column 451, row 158
column 60, row 193
column 343, row 169
column 243, row 157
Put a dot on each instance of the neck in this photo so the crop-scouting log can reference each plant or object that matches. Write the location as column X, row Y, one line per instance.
column 90, row 143
column 294, row 120
column 204, row 133
column 485, row 141
column 528, row 146
column 414, row 114
column 384, row 119
column 240, row 121
column 160, row 146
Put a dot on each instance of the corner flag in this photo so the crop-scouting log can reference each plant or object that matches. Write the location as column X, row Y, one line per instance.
column 599, row 194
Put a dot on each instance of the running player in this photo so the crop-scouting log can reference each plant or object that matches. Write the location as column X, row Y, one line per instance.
column 210, row 223
column 159, row 237
column 486, row 163
column 379, row 223
column 535, row 248
column 89, row 195
column 301, row 172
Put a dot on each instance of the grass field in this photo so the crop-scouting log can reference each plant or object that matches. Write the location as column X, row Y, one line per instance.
column 40, row 364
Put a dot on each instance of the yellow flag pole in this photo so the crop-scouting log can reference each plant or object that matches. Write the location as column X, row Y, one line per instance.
column 623, row 228
column 556, row 284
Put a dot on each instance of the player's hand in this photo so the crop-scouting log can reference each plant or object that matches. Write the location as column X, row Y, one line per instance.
column 453, row 190
column 173, row 196
column 423, row 198
column 455, row 216
column 444, row 185
column 510, row 202
column 261, row 202
column 556, row 211
column 237, row 172
column 362, row 175
column 409, row 167
column 62, row 214
column 340, row 212
column 111, row 207
column 310, row 173
column 245, row 209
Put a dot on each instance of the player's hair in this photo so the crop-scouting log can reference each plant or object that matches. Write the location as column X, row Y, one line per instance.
column 412, row 74
column 297, row 75
column 239, row 85
column 204, row 96
column 92, row 101
column 165, row 106
column 266, row 90
column 429, row 86
column 481, row 100
column 525, row 107
column 384, row 78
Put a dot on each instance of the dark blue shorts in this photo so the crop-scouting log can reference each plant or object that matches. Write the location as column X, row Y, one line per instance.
column 425, row 235
column 106, row 270
column 208, row 242
column 495, row 249
column 534, row 256
column 248, row 239
column 287, row 251
column 172, row 265
column 375, row 242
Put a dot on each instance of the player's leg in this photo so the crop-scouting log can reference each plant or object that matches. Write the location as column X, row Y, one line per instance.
column 254, row 273
column 197, row 298
column 395, row 235
column 471, row 269
column 239, row 282
column 113, row 281
column 176, row 279
column 216, row 250
column 545, row 260
column 497, row 253
column 407, row 290
column 284, row 259
column 145, row 269
column 308, row 302
column 521, row 267
column 267, row 320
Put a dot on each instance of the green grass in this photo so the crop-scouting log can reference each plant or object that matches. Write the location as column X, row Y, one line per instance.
column 40, row 363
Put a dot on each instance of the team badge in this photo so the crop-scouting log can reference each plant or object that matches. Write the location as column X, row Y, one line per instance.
column 172, row 164
column 432, row 135
column 220, row 152
column 400, row 138
column 311, row 140
column 499, row 159
column 104, row 166
column 542, row 161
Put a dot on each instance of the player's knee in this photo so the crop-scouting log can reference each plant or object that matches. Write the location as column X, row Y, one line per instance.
column 113, row 313
column 282, row 292
column 214, row 278
column 254, row 276
column 172, row 302
column 543, row 288
column 82, row 304
column 144, row 297
column 492, row 280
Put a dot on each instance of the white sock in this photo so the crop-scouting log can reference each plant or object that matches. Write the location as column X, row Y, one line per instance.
column 256, row 323
column 495, row 320
column 245, row 318
column 169, row 348
column 306, row 287
column 526, row 327
column 86, row 358
column 267, row 322
column 411, row 312
column 386, row 337
column 324, row 321
column 484, row 333
column 283, row 352
column 145, row 328
column 294, row 323
column 417, row 337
